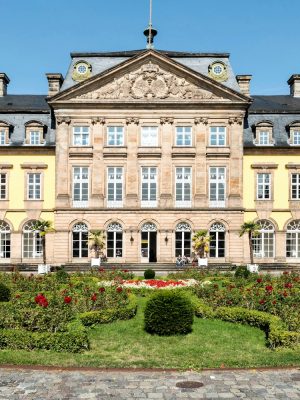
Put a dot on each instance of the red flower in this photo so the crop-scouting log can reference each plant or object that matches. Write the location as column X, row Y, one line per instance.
column 288, row 285
column 101, row 269
column 259, row 280
column 285, row 294
column 18, row 296
column 38, row 298
column 119, row 289
column 285, row 272
column 44, row 303
column 67, row 299
column 269, row 288
column 274, row 302
column 102, row 289
column 125, row 270
column 262, row 301
column 94, row 297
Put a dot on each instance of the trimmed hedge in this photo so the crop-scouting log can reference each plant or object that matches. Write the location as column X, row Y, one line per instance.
column 276, row 333
column 90, row 318
column 74, row 340
column 169, row 312
column 149, row 274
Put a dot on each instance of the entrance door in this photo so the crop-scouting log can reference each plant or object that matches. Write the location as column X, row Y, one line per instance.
column 148, row 243
column 152, row 246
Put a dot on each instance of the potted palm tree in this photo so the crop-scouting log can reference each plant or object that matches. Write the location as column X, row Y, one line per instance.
column 43, row 228
column 97, row 245
column 251, row 228
column 201, row 241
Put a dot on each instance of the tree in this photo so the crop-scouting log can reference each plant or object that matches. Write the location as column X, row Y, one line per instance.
column 201, row 241
column 43, row 228
column 252, row 229
column 97, row 242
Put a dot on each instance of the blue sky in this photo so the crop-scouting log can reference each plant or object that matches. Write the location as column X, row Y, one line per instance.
column 263, row 36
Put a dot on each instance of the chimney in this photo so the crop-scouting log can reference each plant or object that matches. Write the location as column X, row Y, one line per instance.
column 54, row 83
column 294, row 83
column 244, row 83
column 4, row 81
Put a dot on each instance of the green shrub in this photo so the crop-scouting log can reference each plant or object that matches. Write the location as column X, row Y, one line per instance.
column 169, row 312
column 242, row 272
column 4, row 292
column 61, row 275
column 149, row 274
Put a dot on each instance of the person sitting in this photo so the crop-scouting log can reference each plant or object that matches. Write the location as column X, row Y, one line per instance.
column 185, row 260
column 179, row 261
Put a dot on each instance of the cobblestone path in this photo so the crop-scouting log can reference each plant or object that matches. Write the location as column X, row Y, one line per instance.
column 30, row 384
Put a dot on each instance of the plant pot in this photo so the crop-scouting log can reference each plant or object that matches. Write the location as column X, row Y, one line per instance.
column 253, row 268
column 202, row 262
column 43, row 268
column 95, row 262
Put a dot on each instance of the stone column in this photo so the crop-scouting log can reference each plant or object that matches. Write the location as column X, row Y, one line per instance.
column 235, row 174
column 97, row 193
column 132, row 174
column 200, row 129
column 280, row 246
column 166, row 173
column 61, row 157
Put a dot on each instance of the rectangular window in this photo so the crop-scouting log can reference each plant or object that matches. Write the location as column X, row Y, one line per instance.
column 115, row 136
column 183, row 176
column 3, row 186
column 217, row 186
column 34, row 138
column 2, row 138
column 81, row 136
column 114, row 187
column 149, row 136
column 263, row 138
column 80, row 186
column 263, row 186
column 183, row 136
column 295, row 186
column 149, row 186
column 296, row 137
column 217, row 136
column 33, row 186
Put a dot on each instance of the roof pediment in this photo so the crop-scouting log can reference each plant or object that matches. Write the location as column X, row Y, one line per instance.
column 149, row 77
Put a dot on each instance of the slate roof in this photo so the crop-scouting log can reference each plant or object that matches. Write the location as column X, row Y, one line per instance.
column 275, row 104
column 24, row 103
column 131, row 53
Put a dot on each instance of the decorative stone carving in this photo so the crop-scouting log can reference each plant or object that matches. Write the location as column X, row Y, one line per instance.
column 201, row 120
column 150, row 82
column 183, row 227
column 63, row 120
column 132, row 120
column 98, row 120
column 149, row 227
column 235, row 120
column 114, row 227
column 167, row 120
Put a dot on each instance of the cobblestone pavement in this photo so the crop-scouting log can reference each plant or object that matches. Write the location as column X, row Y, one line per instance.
column 43, row 384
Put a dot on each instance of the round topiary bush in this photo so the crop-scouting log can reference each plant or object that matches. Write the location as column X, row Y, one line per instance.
column 4, row 292
column 242, row 272
column 169, row 312
column 149, row 274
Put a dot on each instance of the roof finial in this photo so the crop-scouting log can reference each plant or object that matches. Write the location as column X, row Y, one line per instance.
column 150, row 32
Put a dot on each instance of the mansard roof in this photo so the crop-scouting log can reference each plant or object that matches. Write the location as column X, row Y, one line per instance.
column 279, row 104
column 26, row 103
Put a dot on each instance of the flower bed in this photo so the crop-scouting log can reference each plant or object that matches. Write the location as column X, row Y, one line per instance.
column 152, row 284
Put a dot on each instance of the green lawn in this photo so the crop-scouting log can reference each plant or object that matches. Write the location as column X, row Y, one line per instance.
column 125, row 344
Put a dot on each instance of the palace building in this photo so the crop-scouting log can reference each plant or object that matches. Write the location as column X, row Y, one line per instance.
column 149, row 146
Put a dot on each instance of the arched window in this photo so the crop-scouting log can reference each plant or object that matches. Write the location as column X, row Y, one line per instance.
column 114, row 240
column 80, row 243
column 293, row 239
column 263, row 244
column 148, row 242
column 217, row 240
column 4, row 240
column 32, row 241
column 183, row 240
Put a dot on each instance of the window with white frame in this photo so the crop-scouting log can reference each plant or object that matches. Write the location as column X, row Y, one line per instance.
column 115, row 136
column 263, row 138
column 296, row 137
column 32, row 241
column 183, row 183
column 4, row 240
column 264, row 242
column 149, row 136
column 80, row 186
column 149, row 186
column 217, row 186
column 263, row 186
column 3, row 186
column 293, row 239
column 80, row 247
column 114, row 240
column 295, row 186
column 217, row 136
column 81, row 136
column 34, row 138
column 3, row 135
column 183, row 136
column 183, row 240
column 217, row 240
column 115, row 186
column 34, row 186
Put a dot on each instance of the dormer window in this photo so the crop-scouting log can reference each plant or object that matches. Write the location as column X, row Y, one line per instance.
column 263, row 134
column 4, row 133
column 34, row 133
column 35, row 138
column 294, row 133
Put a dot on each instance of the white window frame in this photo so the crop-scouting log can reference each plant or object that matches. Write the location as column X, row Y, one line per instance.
column 3, row 134
column 81, row 135
column 31, row 241
column 183, row 199
column 183, row 136
column 149, row 136
column 34, row 186
column 263, row 138
column 80, row 200
column 34, row 138
column 296, row 137
column 3, row 186
column 115, row 229
column 295, row 186
column 80, row 228
column 262, row 186
column 183, row 234
column 5, row 240
column 147, row 198
column 115, row 136
column 115, row 177
column 220, row 136
column 264, row 240
column 216, row 229
column 219, row 200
